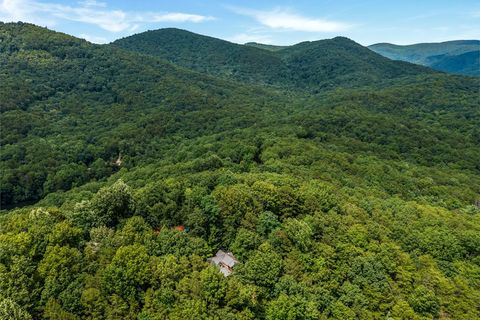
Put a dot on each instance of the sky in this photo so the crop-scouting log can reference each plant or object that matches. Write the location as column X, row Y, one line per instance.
column 272, row 22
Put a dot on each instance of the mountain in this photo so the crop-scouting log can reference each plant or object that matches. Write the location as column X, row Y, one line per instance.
column 51, row 81
column 467, row 63
column 207, row 55
column 309, row 66
column 458, row 57
column 341, row 62
column 123, row 173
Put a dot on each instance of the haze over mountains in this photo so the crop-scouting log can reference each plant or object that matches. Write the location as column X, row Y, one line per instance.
column 460, row 57
column 346, row 184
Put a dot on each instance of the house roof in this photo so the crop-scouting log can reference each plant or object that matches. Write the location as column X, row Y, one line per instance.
column 224, row 258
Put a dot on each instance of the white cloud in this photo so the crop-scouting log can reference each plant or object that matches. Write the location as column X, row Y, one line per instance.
column 286, row 19
column 93, row 3
column 180, row 17
column 89, row 11
column 14, row 10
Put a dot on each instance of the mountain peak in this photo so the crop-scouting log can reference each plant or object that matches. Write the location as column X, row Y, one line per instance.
column 300, row 65
column 28, row 35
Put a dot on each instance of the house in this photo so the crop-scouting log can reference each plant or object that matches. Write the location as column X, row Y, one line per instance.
column 225, row 261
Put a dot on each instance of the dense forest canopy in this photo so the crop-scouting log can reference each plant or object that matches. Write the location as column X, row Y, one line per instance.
column 346, row 185
column 307, row 66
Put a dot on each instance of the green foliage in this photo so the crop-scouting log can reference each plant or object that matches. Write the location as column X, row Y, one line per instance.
column 299, row 232
column 111, row 204
column 263, row 267
column 157, row 202
column 267, row 222
column 128, row 272
column 424, row 301
column 358, row 202
column 295, row 66
column 58, row 268
column 54, row 311
column 290, row 308
column 10, row 310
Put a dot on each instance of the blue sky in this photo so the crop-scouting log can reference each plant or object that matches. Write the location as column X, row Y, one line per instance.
column 274, row 22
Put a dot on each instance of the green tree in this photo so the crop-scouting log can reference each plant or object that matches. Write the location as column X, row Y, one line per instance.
column 213, row 286
column 291, row 308
column 299, row 232
column 424, row 301
column 128, row 273
column 267, row 222
column 93, row 303
column 54, row 311
column 58, row 268
column 10, row 310
column 263, row 267
column 245, row 242
column 112, row 204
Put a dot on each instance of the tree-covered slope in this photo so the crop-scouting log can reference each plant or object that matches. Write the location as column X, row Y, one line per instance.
column 71, row 108
column 341, row 62
column 458, row 57
column 307, row 66
column 208, row 55
column 349, row 203
column 467, row 63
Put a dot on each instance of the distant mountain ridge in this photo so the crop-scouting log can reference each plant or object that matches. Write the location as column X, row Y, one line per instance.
column 269, row 47
column 458, row 57
column 308, row 65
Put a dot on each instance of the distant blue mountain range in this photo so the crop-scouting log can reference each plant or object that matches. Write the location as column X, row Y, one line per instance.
column 459, row 57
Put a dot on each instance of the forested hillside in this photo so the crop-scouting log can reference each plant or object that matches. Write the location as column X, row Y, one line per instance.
column 467, row 63
column 346, row 185
column 71, row 108
column 307, row 66
column 457, row 57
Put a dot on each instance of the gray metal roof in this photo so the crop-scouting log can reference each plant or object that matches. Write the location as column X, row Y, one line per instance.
column 224, row 260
